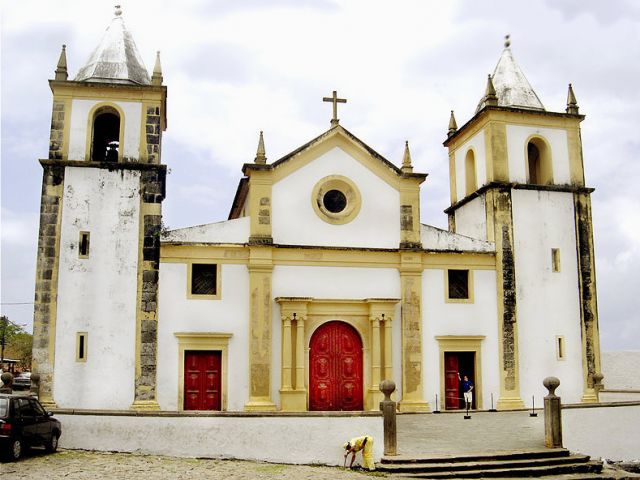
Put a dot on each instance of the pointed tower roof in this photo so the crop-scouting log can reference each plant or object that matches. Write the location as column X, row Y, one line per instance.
column 511, row 86
column 116, row 59
column 261, row 156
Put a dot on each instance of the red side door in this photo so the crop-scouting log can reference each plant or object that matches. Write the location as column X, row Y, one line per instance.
column 202, row 374
column 335, row 368
column 451, row 382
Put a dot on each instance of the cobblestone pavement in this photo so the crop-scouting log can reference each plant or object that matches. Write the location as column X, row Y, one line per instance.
column 74, row 465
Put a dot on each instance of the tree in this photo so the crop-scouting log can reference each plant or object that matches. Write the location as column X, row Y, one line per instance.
column 15, row 342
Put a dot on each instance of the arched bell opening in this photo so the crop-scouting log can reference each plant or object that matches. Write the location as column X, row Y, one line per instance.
column 105, row 143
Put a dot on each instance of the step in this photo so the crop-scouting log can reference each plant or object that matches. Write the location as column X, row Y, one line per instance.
column 521, row 472
column 478, row 457
column 482, row 464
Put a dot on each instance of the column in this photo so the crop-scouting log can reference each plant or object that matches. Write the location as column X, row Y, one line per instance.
column 376, row 360
column 388, row 359
column 286, row 354
column 300, row 355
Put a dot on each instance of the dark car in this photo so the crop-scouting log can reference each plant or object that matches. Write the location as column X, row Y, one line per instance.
column 22, row 381
column 24, row 423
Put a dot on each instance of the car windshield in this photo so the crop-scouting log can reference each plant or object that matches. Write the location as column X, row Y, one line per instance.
column 4, row 407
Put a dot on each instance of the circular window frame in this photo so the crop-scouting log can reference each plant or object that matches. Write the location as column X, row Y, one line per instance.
column 347, row 188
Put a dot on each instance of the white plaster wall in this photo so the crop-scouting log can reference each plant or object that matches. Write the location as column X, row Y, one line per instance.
column 517, row 136
column 283, row 439
column 80, row 122
column 621, row 370
column 607, row 432
column 459, row 319
column 296, row 222
column 229, row 231
column 547, row 302
column 477, row 144
column 97, row 295
column 471, row 219
column 434, row 238
column 336, row 283
column 229, row 314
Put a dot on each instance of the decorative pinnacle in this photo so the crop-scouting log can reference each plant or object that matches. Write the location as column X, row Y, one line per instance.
column 156, row 78
column 572, row 103
column 507, row 41
column 261, row 158
column 453, row 126
column 118, row 11
column 490, row 97
column 61, row 71
column 406, row 159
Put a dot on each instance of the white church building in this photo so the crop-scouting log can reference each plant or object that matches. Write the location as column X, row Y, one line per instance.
column 322, row 282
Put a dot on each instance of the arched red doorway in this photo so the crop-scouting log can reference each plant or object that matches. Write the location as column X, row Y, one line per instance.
column 335, row 368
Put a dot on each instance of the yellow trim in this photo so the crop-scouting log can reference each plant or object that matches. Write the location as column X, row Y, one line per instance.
column 555, row 260
column 203, row 341
column 82, row 358
column 463, row 343
column 347, row 188
column 574, row 146
column 448, row 299
column 452, row 176
column 193, row 296
column 86, row 255
column 89, row 132
column 545, row 161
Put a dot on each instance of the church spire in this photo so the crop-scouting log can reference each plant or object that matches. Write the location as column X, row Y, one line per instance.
column 61, row 70
column 261, row 157
column 156, row 78
column 453, row 126
column 407, row 167
column 572, row 103
column 511, row 88
column 116, row 59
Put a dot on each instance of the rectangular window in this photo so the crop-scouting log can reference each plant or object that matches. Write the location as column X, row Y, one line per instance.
column 458, row 284
column 555, row 259
column 83, row 245
column 204, row 280
column 81, row 346
column 560, row 352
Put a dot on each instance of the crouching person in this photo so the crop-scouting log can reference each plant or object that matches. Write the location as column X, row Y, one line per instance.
column 364, row 444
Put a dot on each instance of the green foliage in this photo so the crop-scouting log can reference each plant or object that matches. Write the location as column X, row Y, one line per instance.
column 17, row 343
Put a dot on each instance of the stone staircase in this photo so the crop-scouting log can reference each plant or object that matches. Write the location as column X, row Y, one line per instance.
column 543, row 463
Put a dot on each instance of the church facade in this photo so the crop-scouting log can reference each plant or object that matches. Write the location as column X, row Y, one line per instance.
column 323, row 281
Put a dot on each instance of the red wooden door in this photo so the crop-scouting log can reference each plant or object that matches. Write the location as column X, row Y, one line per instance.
column 451, row 382
column 335, row 368
column 202, row 371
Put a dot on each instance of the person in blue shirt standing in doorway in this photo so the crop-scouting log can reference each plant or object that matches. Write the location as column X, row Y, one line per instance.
column 467, row 389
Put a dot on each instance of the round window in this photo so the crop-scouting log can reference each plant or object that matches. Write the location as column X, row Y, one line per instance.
column 336, row 199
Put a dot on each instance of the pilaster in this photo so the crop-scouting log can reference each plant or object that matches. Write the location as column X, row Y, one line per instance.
column 410, row 213
column 412, row 373
column 293, row 394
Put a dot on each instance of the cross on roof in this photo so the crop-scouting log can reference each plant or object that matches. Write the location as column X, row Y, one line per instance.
column 335, row 100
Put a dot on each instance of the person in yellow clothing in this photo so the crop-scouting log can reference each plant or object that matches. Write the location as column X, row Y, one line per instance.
column 364, row 443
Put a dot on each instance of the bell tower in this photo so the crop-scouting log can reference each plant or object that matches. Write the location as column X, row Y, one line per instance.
column 517, row 179
column 95, row 318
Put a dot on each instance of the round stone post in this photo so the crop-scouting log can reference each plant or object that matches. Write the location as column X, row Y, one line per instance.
column 388, row 407
column 35, row 385
column 552, row 414
column 7, row 383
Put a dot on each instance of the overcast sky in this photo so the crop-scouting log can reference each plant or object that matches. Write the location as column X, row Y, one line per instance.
column 234, row 68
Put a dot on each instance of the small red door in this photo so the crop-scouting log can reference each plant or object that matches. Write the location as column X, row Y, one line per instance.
column 335, row 368
column 202, row 371
column 451, row 382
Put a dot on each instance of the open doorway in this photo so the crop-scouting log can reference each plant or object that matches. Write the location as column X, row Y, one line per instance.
column 462, row 363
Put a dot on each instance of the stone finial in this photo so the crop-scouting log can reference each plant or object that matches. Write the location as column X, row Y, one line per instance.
column 507, row 41
column 261, row 157
column 572, row 103
column 551, row 383
column 407, row 167
column 387, row 387
column 453, row 126
column 61, row 70
column 117, row 10
column 490, row 97
column 156, row 78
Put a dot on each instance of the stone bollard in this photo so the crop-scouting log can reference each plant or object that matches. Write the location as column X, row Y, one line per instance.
column 597, row 384
column 388, row 408
column 7, row 383
column 552, row 414
column 34, row 391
